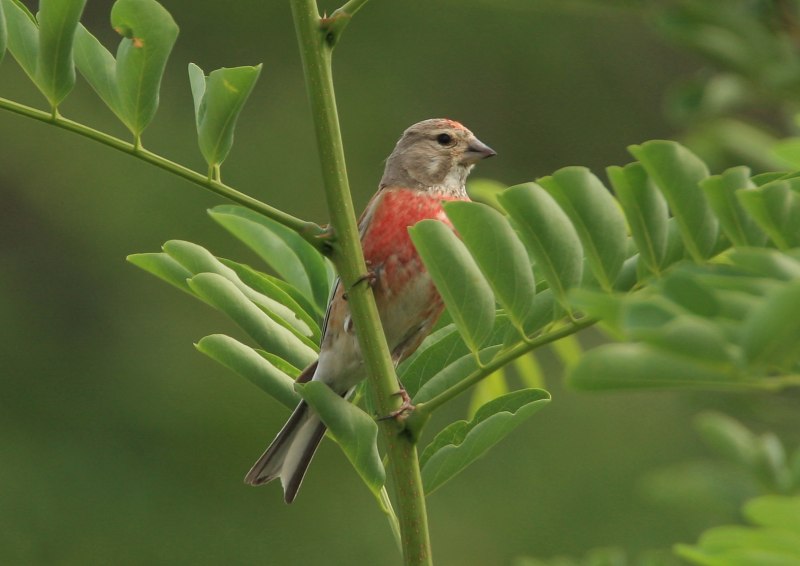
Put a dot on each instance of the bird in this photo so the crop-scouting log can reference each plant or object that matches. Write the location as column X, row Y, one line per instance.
column 428, row 166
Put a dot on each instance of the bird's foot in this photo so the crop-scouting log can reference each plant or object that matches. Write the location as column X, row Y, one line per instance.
column 370, row 277
column 406, row 407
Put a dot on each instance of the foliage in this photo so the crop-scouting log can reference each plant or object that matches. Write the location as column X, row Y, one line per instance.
column 774, row 537
column 776, row 513
column 696, row 275
column 687, row 322
column 753, row 63
column 746, row 465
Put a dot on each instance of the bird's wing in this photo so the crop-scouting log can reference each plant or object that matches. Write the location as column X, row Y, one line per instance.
column 363, row 222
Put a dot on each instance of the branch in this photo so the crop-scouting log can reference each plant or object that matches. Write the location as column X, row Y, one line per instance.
column 333, row 26
column 316, row 44
column 310, row 231
column 424, row 410
column 350, row 8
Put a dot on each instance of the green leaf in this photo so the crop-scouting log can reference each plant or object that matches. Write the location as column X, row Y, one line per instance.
column 646, row 212
column 642, row 366
column 3, row 32
column 281, row 364
column 730, row 438
column 99, row 68
column 218, row 100
column 549, row 236
column 149, row 32
column 775, row 207
column 775, row 511
column 720, row 190
column 442, row 348
column 55, row 71
column 676, row 249
column 748, row 279
column 280, row 291
column 678, row 172
column 772, row 468
column 489, row 388
column 437, row 351
column 463, row 288
column 485, row 191
column 597, row 219
column 463, row 442
column 197, row 259
column 647, row 311
column 771, row 333
column 629, row 275
column 285, row 251
column 197, row 83
column 764, row 178
column 788, row 150
column 248, row 363
column 223, row 295
column 766, row 263
column 687, row 291
column 773, row 541
column 500, row 255
column 256, row 286
column 354, row 431
column 163, row 267
column 605, row 307
column 454, row 373
column 23, row 36
column 544, row 311
column 664, row 325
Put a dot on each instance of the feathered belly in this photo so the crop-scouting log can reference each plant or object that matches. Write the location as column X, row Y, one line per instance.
column 407, row 299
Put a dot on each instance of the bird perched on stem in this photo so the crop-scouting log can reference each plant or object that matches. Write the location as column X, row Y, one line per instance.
column 429, row 165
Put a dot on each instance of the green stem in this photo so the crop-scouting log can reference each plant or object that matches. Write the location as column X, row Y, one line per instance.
column 316, row 45
column 308, row 230
column 423, row 410
column 334, row 25
column 350, row 8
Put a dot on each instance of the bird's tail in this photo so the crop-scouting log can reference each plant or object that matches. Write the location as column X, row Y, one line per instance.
column 290, row 453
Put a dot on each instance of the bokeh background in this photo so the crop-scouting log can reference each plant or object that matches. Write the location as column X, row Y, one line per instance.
column 120, row 444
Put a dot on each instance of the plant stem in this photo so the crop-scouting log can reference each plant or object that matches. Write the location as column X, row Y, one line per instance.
column 350, row 8
column 309, row 230
column 316, row 45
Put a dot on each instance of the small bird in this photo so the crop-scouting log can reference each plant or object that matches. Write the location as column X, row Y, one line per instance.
column 429, row 165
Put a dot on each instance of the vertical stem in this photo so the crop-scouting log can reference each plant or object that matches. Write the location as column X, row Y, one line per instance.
column 316, row 44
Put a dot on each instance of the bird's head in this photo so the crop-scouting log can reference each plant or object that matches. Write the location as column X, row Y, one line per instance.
column 434, row 155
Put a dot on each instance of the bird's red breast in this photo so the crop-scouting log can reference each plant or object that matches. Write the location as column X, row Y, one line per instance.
column 407, row 299
column 386, row 239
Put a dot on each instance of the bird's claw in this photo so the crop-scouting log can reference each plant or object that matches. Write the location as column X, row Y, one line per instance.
column 370, row 277
column 402, row 412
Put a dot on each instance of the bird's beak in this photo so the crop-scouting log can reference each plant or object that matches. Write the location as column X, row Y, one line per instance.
column 477, row 150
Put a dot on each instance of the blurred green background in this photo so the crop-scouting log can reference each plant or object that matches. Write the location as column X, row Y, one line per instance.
column 119, row 444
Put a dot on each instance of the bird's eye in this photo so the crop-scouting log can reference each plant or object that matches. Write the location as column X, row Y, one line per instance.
column 444, row 139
